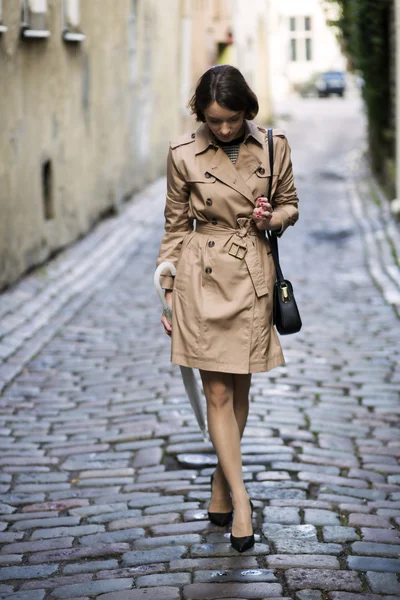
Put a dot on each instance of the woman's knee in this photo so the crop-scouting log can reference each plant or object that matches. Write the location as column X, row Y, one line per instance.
column 218, row 392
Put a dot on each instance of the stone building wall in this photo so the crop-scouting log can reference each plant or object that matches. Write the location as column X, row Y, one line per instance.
column 83, row 122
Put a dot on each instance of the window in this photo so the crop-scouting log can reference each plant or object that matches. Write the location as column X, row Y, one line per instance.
column 3, row 28
column 300, row 39
column 71, row 20
column 293, row 49
column 47, row 190
column 308, row 49
column 34, row 19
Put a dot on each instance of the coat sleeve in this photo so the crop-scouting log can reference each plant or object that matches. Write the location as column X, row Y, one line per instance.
column 285, row 199
column 177, row 221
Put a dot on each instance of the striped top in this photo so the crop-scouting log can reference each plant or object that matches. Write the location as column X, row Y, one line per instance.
column 232, row 148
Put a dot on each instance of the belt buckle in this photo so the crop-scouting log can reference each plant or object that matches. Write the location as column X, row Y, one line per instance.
column 236, row 252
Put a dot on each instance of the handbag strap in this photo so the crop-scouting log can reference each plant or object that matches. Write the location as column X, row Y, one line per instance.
column 273, row 240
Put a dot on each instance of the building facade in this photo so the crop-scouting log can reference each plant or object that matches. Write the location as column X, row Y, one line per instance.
column 301, row 43
column 89, row 104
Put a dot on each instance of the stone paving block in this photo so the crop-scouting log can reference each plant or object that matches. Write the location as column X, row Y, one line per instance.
column 187, row 539
column 125, row 535
column 76, row 553
column 160, row 593
column 92, row 588
column 361, row 520
column 339, row 534
column 66, row 531
column 286, row 515
column 182, row 528
column 140, row 557
column 309, row 595
column 287, row 561
column 31, row 572
column 374, row 549
column 235, row 575
column 383, row 583
column 298, row 539
column 91, row 566
column 320, row 517
column 224, row 563
column 331, row 479
column 376, row 563
column 348, row 596
column 384, row 536
column 148, row 521
column 173, row 579
column 211, row 591
column 41, row 545
column 5, row 589
column 57, row 581
column 31, row 595
column 59, row 505
column 108, row 517
column 137, row 571
column 10, row 559
column 325, row 579
column 224, row 549
column 47, row 522
column 97, row 509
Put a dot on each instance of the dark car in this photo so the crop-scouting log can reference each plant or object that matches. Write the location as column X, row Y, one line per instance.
column 331, row 82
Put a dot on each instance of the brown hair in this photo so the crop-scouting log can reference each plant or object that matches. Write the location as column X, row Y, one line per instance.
column 227, row 86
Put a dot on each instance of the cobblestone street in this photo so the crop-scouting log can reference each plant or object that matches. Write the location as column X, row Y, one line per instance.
column 104, row 477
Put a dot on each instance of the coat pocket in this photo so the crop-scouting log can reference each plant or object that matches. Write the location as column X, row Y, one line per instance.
column 188, row 257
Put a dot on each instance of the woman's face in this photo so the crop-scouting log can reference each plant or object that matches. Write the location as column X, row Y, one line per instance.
column 225, row 124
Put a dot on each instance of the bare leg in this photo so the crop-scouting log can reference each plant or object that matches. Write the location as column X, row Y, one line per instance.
column 225, row 435
column 221, row 500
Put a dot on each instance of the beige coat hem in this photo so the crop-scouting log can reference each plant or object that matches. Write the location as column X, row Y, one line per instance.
column 194, row 362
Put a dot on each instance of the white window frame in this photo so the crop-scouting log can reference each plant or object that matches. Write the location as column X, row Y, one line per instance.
column 300, row 35
column 3, row 28
column 71, row 21
column 29, row 29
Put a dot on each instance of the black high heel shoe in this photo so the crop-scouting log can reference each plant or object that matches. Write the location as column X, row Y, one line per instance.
column 220, row 519
column 241, row 544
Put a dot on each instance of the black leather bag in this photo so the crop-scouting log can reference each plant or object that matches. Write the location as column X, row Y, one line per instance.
column 286, row 314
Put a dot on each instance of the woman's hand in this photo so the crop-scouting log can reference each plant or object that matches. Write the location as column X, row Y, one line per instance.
column 164, row 320
column 263, row 215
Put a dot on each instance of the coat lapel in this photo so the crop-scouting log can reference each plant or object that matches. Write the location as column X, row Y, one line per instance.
column 222, row 169
column 251, row 157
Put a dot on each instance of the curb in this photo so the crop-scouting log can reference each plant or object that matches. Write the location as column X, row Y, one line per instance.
column 38, row 306
column 380, row 234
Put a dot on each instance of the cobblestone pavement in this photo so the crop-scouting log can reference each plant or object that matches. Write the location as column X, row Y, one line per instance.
column 105, row 478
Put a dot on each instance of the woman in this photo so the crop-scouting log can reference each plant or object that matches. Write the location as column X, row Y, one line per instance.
column 222, row 292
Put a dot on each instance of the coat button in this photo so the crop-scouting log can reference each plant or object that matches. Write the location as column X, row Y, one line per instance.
column 261, row 170
column 214, row 221
column 211, row 244
column 209, row 202
column 207, row 175
column 193, row 136
column 208, row 270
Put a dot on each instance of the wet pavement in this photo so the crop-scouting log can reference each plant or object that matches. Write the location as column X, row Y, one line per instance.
column 104, row 476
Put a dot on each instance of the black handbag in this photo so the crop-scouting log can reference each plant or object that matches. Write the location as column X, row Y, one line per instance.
column 286, row 316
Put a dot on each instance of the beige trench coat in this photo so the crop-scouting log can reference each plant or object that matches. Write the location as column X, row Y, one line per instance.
column 222, row 293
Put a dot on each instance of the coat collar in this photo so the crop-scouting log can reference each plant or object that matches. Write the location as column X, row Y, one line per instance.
column 205, row 138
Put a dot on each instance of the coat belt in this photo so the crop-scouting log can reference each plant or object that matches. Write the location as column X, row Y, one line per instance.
column 238, row 243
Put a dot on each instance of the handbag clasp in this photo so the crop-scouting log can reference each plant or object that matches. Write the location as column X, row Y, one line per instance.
column 284, row 292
